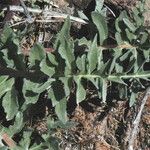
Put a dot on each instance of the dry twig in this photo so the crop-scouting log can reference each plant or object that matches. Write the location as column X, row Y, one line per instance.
column 9, row 141
column 137, row 121
column 26, row 12
column 47, row 13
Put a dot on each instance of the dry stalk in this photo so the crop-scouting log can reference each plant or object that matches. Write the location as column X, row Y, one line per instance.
column 26, row 12
column 48, row 13
column 137, row 121
column 10, row 142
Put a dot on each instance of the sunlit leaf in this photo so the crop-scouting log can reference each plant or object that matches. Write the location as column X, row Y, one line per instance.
column 5, row 84
column 18, row 124
column 66, row 52
column 101, row 25
column 104, row 90
column 67, row 85
column 26, row 140
column 84, row 41
column 10, row 103
column 123, row 93
column 99, row 5
column 92, row 56
column 129, row 24
column 52, row 59
column 36, row 54
column 64, row 34
column 65, row 46
column 80, row 93
column 116, row 79
column 132, row 99
column 81, row 63
column 48, row 70
column 118, row 24
column 61, row 110
column 131, row 36
column 118, row 38
column 6, row 34
column 82, row 15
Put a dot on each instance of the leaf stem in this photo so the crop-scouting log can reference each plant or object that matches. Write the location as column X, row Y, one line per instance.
column 109, row 77
column 144, row 75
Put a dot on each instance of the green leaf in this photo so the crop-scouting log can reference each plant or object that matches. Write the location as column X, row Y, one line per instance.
column 26, row 140
column 146, row 54
column 118, row 68
column 61, row 110
column 67, row 84
column 101, row 25
column 10, row 103
column 37, row 87
column 117, row 27
column 3, row 148
column 52, row 59
column 50, row 141
column 81, row 63
column 104, row 67
column 116, row 79
column 6, row 34
column 58, row 98
column 48, row 70
column 125, row 55
column 92, row 56
column 118, row 22
column 131, row 36
column 5, row 84
column 99, row 5
column 56, row 93
column 104, row 90
column 132, row 99
column 82, row 15
column 10, row 54
column 116, row 55
column 9, row 62
column 129, row 24
column 84, row 41
column 95, row 82
column 66, row 52
column 144, row 38
column 36, row 54
column 80, row 93
column 32, row 90
column 118, row 38
column 138, row 60
column 137, row 17
column 64, row 34
column 130, row 66
column 100, row 59
column 65, row 45
column 123, row 93
column 17, row 126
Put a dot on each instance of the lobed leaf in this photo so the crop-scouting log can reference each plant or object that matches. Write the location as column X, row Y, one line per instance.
column 36, row 54
column 92, row 56
column 5, row 84
column 10, row 103
column 61, row 110
column 101, row 25
column 80, row 93
column 129, row 24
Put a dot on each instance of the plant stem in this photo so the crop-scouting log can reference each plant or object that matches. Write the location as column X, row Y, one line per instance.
column 144, row 75
column 109, row 77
